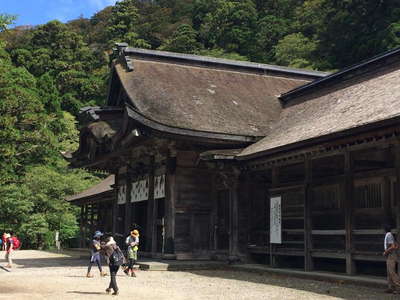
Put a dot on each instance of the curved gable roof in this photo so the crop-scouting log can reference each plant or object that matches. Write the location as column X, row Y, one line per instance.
column 206, row 94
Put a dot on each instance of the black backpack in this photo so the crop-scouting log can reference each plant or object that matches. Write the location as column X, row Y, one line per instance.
column 117, row 257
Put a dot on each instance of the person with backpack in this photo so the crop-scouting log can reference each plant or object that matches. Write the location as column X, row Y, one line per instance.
column 115, row 259
column 16, row 241
column 132, row 241
column 95, row 255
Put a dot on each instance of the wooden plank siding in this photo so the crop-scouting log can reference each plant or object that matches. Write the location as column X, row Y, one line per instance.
column 346, row 198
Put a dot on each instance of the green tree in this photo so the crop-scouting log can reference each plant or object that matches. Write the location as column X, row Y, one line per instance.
column 6, row 20
column 295, row 50
column 230, row 26
column 183, row 40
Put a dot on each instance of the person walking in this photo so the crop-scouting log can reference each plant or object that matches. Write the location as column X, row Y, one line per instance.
column 132, row 241
column 115, row 259
column 390, row 253
column 9, row 250
column 4, row 241
column 95, row 255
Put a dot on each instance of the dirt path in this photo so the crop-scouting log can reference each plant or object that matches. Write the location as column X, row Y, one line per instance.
column 44, row 275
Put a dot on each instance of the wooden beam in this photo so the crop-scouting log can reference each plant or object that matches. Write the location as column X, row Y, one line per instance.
column 348, row 208
column 128, row 205
column 397, row 187
column 234, row 218
column 150, row 226
column 115, row 207
column 170, row 201
column 81, row 229
column 308, row 260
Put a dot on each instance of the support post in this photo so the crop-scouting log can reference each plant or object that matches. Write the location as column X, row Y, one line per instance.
column 234, row 218
column 128, row 205
column 81, row 229
column 348, row 212
column 150, row 208
column 397, row 188
column 115, row 207
column 170, row 200
column 308, row 260
column 275, row 183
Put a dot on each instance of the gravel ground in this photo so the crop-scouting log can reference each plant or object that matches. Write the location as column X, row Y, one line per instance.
column 44, row 275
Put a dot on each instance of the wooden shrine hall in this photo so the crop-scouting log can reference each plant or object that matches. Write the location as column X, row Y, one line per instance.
column 199, row 146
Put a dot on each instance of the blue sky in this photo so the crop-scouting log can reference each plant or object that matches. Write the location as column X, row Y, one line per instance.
column 34, row 12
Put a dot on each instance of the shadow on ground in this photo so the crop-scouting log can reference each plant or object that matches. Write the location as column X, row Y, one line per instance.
column 332, row 288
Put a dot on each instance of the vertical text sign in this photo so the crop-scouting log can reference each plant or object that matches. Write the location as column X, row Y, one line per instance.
column 275, row 221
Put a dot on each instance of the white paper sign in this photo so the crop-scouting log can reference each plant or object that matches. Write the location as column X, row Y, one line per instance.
column 122, row 194
column 275, row 221
column 159, row 186
column 140, row 190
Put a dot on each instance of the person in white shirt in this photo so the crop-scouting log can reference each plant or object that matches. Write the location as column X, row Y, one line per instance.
column 390, row 253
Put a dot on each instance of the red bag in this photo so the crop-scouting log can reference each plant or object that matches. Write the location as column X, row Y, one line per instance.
column 16, row 243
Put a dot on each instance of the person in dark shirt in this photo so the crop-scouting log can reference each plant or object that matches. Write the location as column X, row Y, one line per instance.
column 95, row 255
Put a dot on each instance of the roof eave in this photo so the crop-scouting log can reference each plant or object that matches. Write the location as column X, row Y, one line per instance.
column 183, row 132
column 321, row 139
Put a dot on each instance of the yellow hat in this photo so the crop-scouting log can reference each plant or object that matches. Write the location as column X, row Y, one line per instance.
column 135, row 232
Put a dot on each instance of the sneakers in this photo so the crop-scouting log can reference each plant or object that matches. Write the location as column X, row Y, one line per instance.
column 88, row 275
column 126, row 271
column 108, row 290
column 116, row 293
column 133, row 274
column 103, row 274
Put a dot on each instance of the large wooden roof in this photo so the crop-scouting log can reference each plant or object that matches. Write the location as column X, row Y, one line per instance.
column 205, row 94
column 354, row 99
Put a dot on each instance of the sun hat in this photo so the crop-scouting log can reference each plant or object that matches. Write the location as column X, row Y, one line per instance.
column 135, row 232
column 98, row 234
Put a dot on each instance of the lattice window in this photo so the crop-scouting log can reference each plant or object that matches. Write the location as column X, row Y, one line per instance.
column 326, row 197
column 368, row 195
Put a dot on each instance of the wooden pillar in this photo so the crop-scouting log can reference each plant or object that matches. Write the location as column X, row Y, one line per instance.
column 275, row 183
column 128, row 205
column 234, row 218
column 115, row 207
column 348, row 212
column 308, row 260
column 170, row 200
column 150, row 209
column 81, row 229
column 397, row 188
column 85, row 224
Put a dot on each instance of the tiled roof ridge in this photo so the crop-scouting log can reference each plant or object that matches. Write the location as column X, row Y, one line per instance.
column 125, row 51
